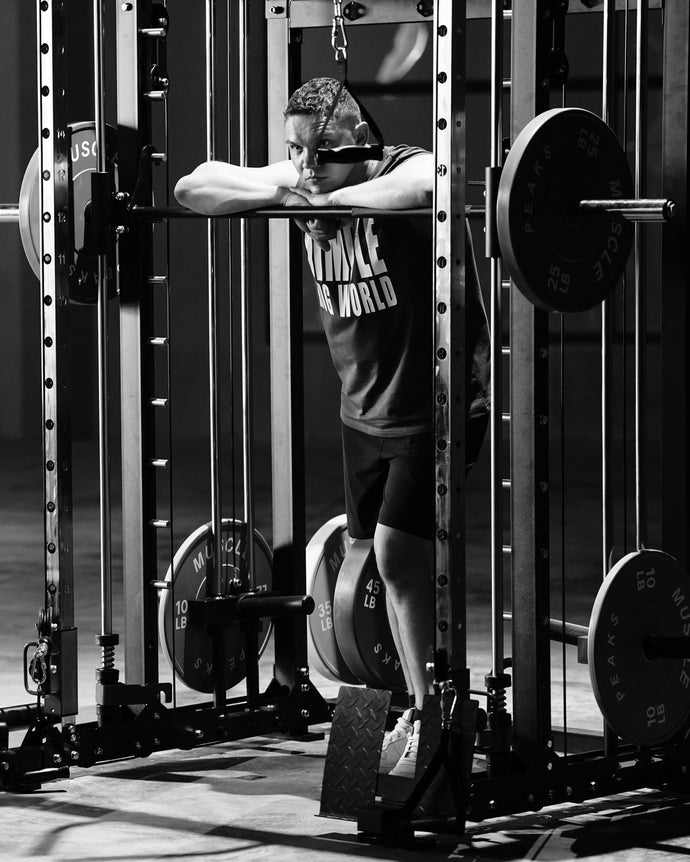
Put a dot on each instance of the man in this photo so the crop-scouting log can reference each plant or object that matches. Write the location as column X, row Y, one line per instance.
column 374, row 286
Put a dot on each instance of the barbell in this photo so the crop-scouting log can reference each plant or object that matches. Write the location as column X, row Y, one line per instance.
column 563, row 210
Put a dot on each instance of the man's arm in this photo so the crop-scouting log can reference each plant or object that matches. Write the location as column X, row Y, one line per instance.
column 410, row 185
column 215, row 188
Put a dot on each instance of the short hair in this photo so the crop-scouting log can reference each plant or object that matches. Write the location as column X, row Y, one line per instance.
column 318, row 95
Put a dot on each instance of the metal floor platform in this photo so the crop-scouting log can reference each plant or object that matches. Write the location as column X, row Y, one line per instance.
column 259, row 799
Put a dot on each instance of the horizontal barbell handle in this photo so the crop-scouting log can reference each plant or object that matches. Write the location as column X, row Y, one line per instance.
column 651, row 210
column 9, row 213
column 162, row 213
column 559, row 631
column 655, row 646
column 654, row 209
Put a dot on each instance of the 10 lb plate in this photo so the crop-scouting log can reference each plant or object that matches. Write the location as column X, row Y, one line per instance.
column 187, row 648
column 645, row 701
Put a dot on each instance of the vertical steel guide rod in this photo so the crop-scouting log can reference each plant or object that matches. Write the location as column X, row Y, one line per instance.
column 245, row 303
column 213, row 585
column 640, row 260
column 102, row 313
column 608, row 73
column 496, row 356
column 607, row 104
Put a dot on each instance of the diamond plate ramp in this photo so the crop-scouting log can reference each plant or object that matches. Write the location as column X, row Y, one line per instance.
column 354, row 746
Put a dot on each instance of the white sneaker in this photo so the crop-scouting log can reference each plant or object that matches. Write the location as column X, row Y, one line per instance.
column 407, row 765
column 395, row 742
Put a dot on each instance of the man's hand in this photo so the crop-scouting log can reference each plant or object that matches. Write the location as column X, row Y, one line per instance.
column 320, row 230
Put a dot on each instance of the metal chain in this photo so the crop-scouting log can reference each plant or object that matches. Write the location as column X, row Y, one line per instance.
column 338, row 37
column 449, row 699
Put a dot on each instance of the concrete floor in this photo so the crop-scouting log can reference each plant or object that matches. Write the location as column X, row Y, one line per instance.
column 258, row 798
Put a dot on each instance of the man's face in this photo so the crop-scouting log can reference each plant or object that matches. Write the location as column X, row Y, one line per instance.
column 304, row 135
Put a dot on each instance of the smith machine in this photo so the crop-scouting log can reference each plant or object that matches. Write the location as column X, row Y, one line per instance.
column 563, row 215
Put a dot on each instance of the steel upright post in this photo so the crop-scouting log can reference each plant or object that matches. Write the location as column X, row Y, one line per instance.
column 55, row 248
column 449, row 339
column 287, row 390
column 529, row 432
column 136, row 372
column 675, row 345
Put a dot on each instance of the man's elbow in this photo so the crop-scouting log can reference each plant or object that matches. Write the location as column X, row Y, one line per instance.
column 425, row 195
column 418, row 196
column 191, row 193
column 182, row 191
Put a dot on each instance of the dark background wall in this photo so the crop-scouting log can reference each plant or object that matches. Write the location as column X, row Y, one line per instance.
column 405, row 116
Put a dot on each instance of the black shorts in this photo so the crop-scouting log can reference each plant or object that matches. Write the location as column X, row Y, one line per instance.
column 390, row 480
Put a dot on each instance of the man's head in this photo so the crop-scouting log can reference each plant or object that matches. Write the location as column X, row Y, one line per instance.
column 305, row 132
column 318, row 96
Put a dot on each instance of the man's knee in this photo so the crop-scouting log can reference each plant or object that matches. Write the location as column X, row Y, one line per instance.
column 402, row 557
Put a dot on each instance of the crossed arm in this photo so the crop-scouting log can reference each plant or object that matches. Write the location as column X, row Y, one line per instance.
column 216, row 188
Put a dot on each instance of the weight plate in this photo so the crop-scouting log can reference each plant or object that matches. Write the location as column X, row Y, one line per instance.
column 360, row 620
column 560, row 262
column 189, row 650
column 645, row 701
column 82, row 269
column 325, row 553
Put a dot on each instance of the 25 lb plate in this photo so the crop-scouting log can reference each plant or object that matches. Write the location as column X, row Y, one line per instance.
column 561, row 262
column 646, row 701
column 189, row 649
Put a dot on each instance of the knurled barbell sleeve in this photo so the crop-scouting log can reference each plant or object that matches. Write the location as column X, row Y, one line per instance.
column 9, row 213
column 273, row 606
column 643, row 210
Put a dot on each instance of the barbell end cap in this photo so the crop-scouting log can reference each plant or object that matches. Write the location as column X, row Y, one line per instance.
column 670, row 210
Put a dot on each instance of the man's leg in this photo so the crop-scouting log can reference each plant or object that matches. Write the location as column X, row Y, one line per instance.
column 405, row 563
column 395, row 631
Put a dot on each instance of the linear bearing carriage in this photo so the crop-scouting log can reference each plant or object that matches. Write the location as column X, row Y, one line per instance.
column 565, row 211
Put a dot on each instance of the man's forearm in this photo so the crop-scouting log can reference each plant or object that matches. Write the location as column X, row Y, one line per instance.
column 382, row 193
column 217, row 188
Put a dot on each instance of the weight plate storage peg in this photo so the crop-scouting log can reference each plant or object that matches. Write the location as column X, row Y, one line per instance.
column 644, row 700
column 561, row 261
column 188, row 649
column 361, row 622
column 324, row 556
column 82, row 268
